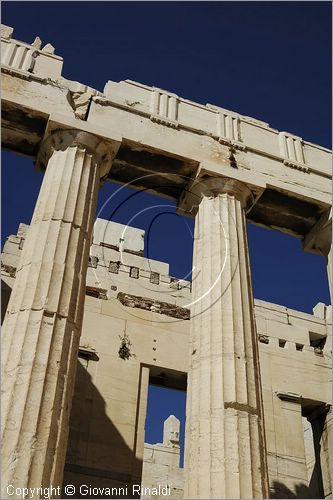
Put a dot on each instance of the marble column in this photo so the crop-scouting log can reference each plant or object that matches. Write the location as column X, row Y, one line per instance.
column 225, row 445
column 44, row 317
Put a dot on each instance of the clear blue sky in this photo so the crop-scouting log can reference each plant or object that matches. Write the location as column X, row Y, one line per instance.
column 269, row 60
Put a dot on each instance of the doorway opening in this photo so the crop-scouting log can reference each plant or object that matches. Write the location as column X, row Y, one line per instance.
column 166, row 398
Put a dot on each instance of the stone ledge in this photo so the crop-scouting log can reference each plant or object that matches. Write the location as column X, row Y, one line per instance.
column 153, row 306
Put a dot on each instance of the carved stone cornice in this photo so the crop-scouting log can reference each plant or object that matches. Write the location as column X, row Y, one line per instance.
column 211, row 187
column 102, row 151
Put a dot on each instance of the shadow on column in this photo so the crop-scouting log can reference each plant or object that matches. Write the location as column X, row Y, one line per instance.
column 97, row 454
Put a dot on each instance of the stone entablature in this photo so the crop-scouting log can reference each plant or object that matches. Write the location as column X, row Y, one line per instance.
column 29, row 58
column 162, row 106
column 167, row 141
column 228, row 127
column 167, row 108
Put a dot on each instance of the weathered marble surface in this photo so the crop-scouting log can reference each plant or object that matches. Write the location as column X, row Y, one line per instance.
column 171, row 146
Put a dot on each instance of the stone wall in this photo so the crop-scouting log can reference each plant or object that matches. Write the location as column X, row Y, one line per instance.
column 161, row 462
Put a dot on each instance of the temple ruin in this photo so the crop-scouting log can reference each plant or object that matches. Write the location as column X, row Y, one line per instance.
column 89, row 321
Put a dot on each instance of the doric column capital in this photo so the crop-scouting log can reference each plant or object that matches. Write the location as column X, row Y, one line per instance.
column 210, row 187
column 102, row 151
column 214, row 186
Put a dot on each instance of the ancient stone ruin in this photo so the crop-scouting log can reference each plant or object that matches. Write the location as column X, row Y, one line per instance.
column 89, row 321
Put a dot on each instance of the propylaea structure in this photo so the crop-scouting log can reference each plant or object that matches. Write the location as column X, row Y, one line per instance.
column 89, row 321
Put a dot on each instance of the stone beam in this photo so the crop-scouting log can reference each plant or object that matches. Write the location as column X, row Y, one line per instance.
column 146, row 165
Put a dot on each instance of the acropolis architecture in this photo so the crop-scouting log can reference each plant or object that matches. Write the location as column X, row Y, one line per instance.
column 89, row 322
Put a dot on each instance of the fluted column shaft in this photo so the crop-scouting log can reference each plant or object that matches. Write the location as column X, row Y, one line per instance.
column 43, row 321
column 225, row 446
